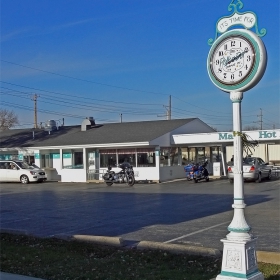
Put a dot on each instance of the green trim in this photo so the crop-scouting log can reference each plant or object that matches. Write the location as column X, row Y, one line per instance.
column 55, row 155
column 245, row 82
column 239, row 275
column 67, row 155
column 241, row 230
column 238, row 198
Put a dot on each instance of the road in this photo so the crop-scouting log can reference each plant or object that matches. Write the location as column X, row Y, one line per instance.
column 176, row 212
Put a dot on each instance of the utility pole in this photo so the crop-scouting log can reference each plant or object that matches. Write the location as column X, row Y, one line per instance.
column 34, row 98
column 261, row 121
column 168, row 110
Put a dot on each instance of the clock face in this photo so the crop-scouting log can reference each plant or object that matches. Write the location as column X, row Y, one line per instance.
column 232, row 60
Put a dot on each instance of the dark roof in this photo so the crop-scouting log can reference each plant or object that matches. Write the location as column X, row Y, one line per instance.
column 102, row 134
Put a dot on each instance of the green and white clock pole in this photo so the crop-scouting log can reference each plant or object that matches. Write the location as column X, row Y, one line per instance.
column 236, row 63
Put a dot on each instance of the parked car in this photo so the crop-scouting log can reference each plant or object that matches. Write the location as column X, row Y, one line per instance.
column 20, row 171
column 254, row 168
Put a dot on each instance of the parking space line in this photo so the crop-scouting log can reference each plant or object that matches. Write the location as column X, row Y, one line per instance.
column 195, row 232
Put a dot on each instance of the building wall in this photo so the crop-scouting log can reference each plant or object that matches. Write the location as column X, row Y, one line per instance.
column 274, row 154
column 260, row 151
column 168, row 173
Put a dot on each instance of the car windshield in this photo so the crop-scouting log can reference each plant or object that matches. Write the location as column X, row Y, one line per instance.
column 24, row 165
column 249, row 161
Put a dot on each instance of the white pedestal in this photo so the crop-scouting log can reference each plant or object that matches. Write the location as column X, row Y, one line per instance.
column 239, row 261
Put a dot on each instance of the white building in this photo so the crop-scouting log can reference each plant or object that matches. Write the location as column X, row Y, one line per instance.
column 158, row 150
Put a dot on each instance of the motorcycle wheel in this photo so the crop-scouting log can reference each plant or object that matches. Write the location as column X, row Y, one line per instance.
column 109, row 184
column 130, row 180
column 207, row 179
column 195, row 180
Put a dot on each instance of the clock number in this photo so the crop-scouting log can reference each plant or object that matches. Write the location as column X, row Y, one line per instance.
column 246, row 49
column 225, row 47
column 220, row 70
column 225, row 75
column 248, row 58
column 240, row 73
column 246, row 67
column 232, row 76
column 233, row 43
column 221, row 53
column 217, row 62
column 240, row 44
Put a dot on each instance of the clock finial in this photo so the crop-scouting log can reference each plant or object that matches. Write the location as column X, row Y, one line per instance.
column 235, row 4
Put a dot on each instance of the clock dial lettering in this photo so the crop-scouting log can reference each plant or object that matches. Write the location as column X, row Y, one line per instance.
column 232, row 60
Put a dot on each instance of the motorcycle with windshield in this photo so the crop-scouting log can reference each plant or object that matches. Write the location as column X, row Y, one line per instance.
column 125, row 174
column 201, row 172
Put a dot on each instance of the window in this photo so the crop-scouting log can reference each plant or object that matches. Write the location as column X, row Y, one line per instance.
column 146, row 158
column 127, row 155
column 72, row 159
column 78, row 159
column 108, row 158
column 169, row 156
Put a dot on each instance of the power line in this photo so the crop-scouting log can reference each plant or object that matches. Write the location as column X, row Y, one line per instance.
column 79, row 97
column 83, row 80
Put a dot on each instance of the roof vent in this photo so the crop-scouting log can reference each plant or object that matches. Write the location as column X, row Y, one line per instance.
column 87, row 123
column 50, row 125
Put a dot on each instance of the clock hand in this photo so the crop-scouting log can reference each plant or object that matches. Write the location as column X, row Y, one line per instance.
column 236, row 57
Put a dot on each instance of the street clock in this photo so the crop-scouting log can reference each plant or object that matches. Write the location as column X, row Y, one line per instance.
column 237, row 60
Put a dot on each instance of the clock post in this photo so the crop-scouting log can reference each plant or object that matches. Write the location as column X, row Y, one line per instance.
column 236, row 63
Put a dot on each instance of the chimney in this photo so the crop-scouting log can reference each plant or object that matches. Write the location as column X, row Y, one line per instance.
column 87, row 124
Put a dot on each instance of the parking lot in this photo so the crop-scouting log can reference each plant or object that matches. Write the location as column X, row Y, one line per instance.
column 174, row 212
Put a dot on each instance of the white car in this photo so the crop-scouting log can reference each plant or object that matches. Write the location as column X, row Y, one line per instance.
column 20, row 171
column 254, row 168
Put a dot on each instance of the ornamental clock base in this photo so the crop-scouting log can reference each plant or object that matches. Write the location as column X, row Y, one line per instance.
column 239, row 261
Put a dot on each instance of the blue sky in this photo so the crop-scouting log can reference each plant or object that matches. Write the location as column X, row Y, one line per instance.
column 103, row 58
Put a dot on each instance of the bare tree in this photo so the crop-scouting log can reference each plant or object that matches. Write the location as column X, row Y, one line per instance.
column 8, row 119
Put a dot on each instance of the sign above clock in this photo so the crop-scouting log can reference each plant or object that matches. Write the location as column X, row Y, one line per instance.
column 248, row 20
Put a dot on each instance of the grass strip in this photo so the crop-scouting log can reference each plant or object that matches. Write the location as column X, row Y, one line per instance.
column 51, row 258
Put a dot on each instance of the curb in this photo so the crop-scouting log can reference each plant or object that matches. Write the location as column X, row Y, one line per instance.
column 179, row 249
column 262, row 256
column 102, row 240
column 268, row 257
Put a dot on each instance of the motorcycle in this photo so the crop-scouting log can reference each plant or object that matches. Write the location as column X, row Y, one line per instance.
column 201, row 172
column 125, row 175
column 189, row 169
